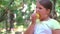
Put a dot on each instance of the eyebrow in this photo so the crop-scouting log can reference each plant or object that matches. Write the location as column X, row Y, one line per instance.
column 37, row 0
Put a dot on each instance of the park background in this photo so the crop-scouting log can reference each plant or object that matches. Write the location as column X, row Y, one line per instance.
column 15, row 15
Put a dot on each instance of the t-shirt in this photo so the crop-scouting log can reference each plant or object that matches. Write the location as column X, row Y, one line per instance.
column 45, row 27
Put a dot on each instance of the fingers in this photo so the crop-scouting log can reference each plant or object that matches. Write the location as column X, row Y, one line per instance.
column 33, row 18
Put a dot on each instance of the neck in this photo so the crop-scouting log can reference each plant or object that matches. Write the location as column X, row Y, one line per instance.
column 44, row 19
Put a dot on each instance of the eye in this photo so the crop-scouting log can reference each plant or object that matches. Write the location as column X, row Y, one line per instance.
column 40, row 8
column 36, row 7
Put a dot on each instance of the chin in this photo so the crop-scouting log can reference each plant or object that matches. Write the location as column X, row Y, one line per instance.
column 41, row 18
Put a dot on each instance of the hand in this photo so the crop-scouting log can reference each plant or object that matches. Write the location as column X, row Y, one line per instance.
column 33, row 18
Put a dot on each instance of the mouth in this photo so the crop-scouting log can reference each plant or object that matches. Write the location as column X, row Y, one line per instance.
column 38, row 16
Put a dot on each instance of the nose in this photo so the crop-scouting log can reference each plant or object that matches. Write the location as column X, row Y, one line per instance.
column 37, row 10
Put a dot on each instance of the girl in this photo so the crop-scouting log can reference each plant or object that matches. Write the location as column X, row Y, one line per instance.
column 46, row 24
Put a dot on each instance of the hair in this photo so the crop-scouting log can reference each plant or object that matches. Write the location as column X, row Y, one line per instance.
column 47, row 4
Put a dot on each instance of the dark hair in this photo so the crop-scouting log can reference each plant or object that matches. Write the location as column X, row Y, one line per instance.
column 46, row 3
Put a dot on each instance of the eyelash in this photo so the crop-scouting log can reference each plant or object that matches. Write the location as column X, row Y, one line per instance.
column 39, row 8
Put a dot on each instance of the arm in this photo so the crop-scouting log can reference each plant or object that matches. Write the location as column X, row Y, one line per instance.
column 57, row 31
column 30, row 30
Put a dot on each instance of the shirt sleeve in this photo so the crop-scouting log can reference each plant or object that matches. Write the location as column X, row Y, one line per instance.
column 56, row 25
column 53, row 24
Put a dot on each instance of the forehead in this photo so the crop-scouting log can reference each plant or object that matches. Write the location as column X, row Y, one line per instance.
column 38, row 4
column 37, row 0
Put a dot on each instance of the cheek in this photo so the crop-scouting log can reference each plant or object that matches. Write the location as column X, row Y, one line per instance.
column 43, row 12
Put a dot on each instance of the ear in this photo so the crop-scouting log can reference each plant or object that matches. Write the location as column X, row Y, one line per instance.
column 48, row 11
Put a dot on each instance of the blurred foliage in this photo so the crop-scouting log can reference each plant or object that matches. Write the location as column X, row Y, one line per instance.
column 22, row 8
column 17, row 7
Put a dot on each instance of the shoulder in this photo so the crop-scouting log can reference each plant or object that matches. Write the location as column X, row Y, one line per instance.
column 54, row 24
column 53, row 20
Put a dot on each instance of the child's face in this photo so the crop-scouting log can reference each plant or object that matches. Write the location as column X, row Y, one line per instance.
column 42, row 11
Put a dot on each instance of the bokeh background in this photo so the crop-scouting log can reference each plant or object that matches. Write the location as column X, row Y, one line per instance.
column 15, row 15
